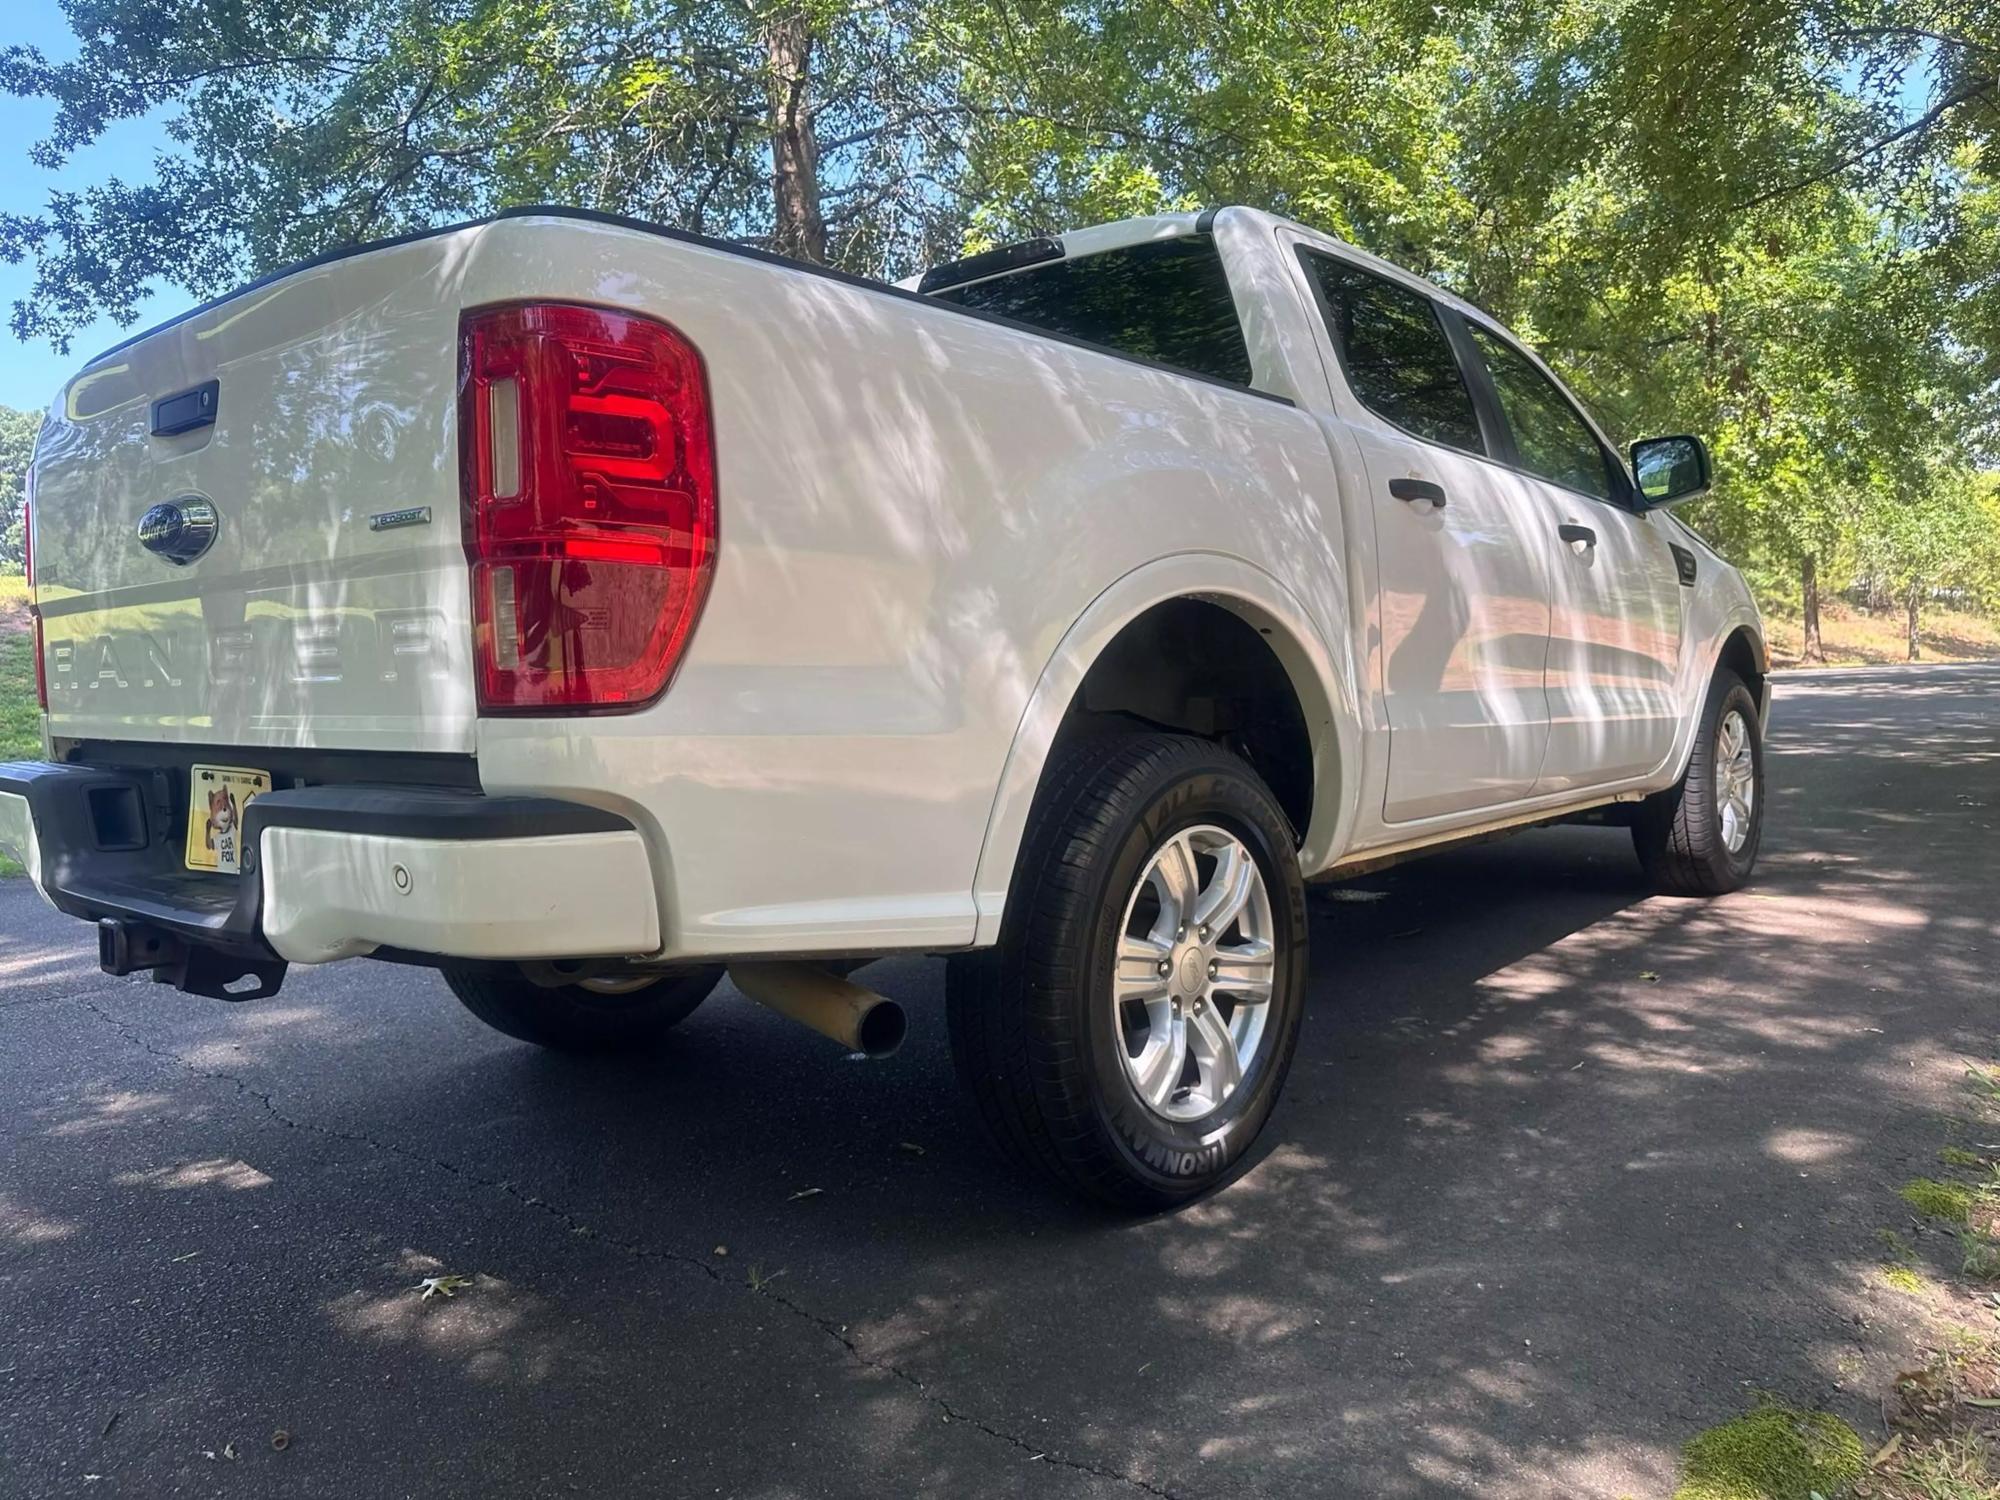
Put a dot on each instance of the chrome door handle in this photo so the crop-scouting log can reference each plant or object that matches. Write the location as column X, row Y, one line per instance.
column 1418, row 489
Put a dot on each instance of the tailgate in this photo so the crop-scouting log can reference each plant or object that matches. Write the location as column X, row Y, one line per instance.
column 317, row 427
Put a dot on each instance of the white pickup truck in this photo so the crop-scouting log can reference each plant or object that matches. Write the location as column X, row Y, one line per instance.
column 582, row 608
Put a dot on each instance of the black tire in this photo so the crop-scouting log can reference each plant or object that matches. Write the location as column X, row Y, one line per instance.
column 571, row 1018
column 1679, row 833
column 1035, row 1034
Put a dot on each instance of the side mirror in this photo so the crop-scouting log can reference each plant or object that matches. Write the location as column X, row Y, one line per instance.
column 1670, row 470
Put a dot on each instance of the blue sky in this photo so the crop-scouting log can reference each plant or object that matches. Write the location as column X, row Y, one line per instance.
column 31, row 372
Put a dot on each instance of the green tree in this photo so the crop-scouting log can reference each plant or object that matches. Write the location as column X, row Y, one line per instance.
column 806, row 125
column 17, row 446
column 1941, row 538
column 1771, row 221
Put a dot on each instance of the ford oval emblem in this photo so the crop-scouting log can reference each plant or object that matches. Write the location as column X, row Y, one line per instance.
column 178, row 530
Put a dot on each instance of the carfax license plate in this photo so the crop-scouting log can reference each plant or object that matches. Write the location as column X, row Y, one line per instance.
column 217, row 796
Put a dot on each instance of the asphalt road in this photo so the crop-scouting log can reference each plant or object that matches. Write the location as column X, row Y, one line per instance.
column 1563, row 1175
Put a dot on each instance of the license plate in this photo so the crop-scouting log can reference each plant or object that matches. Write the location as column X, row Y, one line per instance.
column 217, row 796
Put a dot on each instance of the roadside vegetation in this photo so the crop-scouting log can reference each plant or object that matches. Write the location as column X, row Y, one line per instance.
column 20, row 726
column 1943, row 1416
column 1856, row 636
column 1774, row 225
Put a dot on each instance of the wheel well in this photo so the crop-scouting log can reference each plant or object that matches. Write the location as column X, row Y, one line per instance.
column 1742, row 655
column 1198, row 668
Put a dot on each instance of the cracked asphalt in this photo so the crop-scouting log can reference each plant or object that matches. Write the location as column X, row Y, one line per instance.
column 1563, row 1174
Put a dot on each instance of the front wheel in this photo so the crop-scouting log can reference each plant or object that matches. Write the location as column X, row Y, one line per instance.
column 1131, row 1032
column 1700, row 838
column 607, row 1014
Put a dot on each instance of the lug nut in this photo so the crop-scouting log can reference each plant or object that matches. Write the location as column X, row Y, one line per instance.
column 1204, row 934
column 1214, row 968
column 1165, row 968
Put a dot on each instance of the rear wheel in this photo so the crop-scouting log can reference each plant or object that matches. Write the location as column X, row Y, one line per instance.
column 1700, row 838
column 1131, row 1032
column 603, row 1014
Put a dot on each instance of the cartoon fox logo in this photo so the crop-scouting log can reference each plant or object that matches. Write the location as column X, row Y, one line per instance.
column 221, row 818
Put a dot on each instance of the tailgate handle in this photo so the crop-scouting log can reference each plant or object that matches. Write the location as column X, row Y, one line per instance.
column 187, row 410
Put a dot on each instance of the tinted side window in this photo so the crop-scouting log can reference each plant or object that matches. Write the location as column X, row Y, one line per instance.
column 1396, row 355
column 1166, row 300
column 1550, row 438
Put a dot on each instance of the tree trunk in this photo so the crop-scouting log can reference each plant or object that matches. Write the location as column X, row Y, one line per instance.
column 800, row 227
column 1916, row 594
column 1813, row 650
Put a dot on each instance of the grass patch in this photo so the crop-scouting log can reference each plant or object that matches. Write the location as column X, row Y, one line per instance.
column 1958, row 1156
column 20, row 716
column 1950, row 1201
column 1982, row 1255
column 1774, row 1453
column 1952, row 1468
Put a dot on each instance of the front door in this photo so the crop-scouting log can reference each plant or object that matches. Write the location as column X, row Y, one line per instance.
column 1615, row 632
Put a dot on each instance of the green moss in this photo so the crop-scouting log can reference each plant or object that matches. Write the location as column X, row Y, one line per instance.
column 1774, row 1453
column 1958, row 1156
column 1950, row 1201
column 1905, row 1279
column 1894, row 1245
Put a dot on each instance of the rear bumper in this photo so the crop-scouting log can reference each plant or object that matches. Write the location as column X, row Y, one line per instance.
column 337, row 871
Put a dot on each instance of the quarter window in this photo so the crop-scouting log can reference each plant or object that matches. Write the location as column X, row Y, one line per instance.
column 1551, row 439
column 1167, row 301
column 1395, row 354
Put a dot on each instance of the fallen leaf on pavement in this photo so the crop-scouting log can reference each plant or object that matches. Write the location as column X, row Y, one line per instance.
column 805, row 1193
column 441, row 1286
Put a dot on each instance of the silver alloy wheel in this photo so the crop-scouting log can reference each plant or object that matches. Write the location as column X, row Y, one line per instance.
column 1735, row 780
column 1197, row 957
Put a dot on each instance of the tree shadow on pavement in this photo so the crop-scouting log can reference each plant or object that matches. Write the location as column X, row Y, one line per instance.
column 1563, row 1174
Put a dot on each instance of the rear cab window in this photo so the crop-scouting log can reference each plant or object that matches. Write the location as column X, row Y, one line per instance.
column 1164, row 301
column 1395, row 353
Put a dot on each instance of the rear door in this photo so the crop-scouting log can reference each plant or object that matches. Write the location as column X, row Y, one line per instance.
column 1461, row 576
column 1615, row 637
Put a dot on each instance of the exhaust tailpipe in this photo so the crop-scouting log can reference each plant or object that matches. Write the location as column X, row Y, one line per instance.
column 859, row 1019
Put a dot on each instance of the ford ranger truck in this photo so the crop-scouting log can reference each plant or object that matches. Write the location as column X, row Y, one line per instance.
column 583, row 609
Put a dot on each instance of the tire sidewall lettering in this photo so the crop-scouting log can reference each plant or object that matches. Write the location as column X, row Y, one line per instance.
column 1165, row 1150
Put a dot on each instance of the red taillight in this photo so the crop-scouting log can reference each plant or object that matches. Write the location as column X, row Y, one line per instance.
column 588, row 473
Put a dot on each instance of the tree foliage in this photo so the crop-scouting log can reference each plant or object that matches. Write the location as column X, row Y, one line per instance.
column 1776, row 222
column 17, row 447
